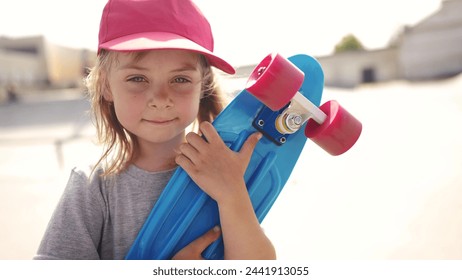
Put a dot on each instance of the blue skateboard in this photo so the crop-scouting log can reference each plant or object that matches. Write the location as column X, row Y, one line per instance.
column 280, row 100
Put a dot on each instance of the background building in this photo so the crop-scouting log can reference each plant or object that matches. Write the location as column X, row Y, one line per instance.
column 431, row 49
column 348, row 69
column 32, row 62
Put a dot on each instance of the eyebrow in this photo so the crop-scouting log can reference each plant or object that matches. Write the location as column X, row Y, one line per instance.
column 133, row 66
column 183, row 68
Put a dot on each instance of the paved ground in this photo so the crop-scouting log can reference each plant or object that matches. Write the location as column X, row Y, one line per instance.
column 395, row 195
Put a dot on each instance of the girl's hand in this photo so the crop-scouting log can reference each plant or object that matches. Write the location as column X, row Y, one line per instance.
column 194, row 250
column 215, row 168
column 219, row 172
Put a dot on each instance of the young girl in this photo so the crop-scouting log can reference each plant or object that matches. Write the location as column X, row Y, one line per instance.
column 152, row 80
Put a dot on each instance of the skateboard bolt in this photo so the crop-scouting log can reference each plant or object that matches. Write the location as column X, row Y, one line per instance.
column 298, row 120
column 282, row 140
column 261, row 122
column 292, row 122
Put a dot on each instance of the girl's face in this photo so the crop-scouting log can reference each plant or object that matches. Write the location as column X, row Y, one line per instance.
column 156, row 95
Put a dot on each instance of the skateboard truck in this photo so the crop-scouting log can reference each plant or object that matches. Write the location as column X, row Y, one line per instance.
column 265, row 122
column 299, row 111
column 276, row 83
column 277, row 126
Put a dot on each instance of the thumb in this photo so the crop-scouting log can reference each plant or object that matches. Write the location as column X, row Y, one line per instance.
column 249, row 145
column 201, row 243
column 193, row 250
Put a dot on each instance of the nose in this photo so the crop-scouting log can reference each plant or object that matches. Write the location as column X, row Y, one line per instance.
column 159, row 98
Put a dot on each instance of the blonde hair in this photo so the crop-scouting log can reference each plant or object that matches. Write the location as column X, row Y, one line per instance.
column 120, row 147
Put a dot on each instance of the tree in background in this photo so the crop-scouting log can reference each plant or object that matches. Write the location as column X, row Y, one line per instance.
column 348, row 43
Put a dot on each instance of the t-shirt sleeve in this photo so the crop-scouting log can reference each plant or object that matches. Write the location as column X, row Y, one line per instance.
column 74, row 231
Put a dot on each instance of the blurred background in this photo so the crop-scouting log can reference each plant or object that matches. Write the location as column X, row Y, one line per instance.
column 396, row 65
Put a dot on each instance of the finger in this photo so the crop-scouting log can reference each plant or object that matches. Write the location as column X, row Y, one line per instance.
column 249, row 146
column 184, row 162
column 193, row 251
column 210, row 133
column 201, row 243
column 196, row 141
column 189, row 151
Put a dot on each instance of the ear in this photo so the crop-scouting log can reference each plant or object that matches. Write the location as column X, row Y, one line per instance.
column 107, row 95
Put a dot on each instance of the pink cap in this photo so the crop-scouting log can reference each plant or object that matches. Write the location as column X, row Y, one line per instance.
column 136, row 25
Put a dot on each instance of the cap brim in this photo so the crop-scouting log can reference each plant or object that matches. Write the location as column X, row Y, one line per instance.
column 164, row 41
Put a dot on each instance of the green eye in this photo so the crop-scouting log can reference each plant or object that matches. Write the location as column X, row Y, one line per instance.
column 180, row 80
column 137, row 79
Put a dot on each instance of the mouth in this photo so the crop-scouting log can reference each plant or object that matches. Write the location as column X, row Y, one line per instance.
column 159, row 121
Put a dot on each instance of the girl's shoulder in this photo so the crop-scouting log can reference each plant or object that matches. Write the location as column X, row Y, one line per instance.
column 87, row 173
column 86, row 179
column 92, row 179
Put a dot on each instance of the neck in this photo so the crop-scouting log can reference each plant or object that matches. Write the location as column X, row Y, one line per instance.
column 154, row 157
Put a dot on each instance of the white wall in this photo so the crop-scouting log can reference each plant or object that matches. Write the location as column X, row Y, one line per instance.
column 19, row 69
column 433, row 48
column 346, row 69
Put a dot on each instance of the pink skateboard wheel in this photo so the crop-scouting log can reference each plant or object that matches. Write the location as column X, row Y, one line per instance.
column 275, row 81
column 338, row 133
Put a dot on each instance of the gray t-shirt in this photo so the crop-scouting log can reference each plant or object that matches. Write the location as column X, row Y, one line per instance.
column 99, row 218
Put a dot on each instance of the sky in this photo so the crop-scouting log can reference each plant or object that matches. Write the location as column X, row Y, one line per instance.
column 245, row 31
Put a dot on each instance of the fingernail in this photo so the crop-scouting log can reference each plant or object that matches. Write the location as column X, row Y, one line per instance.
column 259, row 136
column 216, row 229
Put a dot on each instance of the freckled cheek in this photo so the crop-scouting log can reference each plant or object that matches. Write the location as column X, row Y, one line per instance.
column 190, row 109
column 128, row 113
